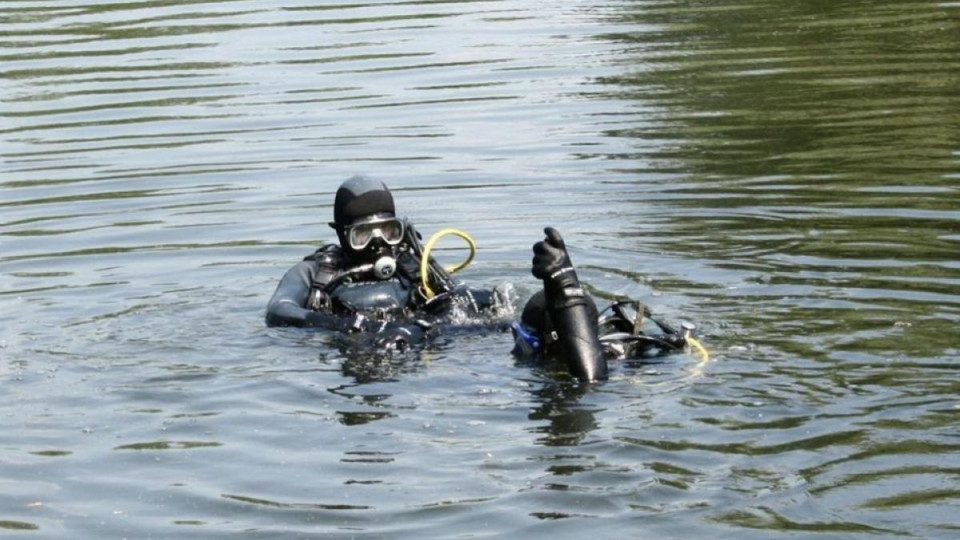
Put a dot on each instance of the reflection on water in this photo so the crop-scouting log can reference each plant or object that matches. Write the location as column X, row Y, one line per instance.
column 782, row 173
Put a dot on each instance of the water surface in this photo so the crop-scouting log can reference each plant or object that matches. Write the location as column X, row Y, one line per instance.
column 784, row 174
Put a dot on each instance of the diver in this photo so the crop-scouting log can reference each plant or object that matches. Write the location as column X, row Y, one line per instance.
column 562, row 322
column 372, row 283
column 381, row 284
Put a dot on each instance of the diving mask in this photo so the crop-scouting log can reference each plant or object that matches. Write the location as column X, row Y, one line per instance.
column 389, row 229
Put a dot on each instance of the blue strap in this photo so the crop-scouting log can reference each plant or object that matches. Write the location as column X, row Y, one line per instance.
column 528, row 342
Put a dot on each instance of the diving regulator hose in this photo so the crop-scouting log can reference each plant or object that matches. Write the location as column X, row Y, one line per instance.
column 425, row 257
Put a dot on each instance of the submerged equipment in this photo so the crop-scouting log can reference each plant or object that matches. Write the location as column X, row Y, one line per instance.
column 704, row 355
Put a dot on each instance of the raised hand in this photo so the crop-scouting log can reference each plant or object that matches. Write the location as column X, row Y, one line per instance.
column 551, row 263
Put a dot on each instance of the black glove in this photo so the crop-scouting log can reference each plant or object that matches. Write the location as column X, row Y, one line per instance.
column 398, row 337
column 551, row 263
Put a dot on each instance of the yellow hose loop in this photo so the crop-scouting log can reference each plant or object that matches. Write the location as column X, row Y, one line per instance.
column 704, row 355
column 424, row 260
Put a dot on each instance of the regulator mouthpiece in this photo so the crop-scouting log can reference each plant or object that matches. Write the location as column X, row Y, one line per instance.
column 385, row 267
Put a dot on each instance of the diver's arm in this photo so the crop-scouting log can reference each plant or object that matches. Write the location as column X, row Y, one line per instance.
column 286, row 307
column 569, row 306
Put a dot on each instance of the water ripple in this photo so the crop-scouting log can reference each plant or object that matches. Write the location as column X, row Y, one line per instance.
column 782, row 174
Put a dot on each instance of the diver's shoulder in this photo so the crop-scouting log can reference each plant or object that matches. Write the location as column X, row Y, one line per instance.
column 327, row 255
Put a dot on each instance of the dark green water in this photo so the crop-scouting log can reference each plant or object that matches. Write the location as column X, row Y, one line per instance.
column 785, row 174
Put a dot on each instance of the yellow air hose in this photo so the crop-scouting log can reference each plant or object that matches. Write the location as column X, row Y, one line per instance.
column 425, row 258
column 704, row 355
